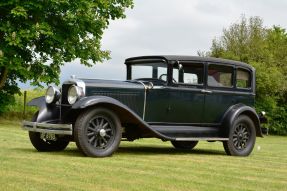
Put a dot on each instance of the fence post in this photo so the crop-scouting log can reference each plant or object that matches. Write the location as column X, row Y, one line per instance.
column 25, row 100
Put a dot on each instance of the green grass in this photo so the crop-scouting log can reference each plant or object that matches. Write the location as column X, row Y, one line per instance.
column 147, row 164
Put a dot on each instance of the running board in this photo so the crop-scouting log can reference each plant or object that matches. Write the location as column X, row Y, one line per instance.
column 201, row 139
column 189, row 132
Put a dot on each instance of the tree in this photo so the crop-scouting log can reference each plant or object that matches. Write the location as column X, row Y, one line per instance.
column 265, row 49
column 38, row 36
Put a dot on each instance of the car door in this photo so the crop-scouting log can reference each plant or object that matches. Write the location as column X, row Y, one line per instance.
column 157, row 97
column 186, row 99
column 157, row 100
column 219, row 94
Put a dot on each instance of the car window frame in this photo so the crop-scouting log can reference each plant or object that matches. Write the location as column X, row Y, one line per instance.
column 187, row 85
column 233, row 76
column 251, row 79
column 144, row 61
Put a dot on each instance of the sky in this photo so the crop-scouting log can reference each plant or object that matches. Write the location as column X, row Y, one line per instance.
column 180, row 27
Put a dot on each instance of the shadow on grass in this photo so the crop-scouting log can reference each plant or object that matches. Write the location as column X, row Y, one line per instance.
column 67, row 152
column 130, row 150
column 144, row 150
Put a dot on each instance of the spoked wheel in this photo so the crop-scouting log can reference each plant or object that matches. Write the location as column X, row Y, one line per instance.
column 47, row 142
column 98, row 132
column 242, row 137
column 184, row 145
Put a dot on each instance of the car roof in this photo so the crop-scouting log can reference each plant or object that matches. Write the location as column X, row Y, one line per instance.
column 185, row 58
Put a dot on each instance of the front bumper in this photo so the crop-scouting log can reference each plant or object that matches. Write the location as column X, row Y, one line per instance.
column 60, row 129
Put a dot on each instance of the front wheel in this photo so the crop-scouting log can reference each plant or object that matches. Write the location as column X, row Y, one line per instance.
column 184, row 145
column 41, row 142
column 242, row 137
column 98, row 132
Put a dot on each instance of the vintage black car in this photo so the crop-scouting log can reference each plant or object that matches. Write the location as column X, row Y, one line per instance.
column 182, row 99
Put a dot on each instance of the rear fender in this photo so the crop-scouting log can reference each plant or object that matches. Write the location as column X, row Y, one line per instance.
column 232, row 114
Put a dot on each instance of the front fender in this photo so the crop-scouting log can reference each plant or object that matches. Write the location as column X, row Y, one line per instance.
column 46, row 112
column 94, row 100
column 124, row 112
column 240, row 109
column 38, row 102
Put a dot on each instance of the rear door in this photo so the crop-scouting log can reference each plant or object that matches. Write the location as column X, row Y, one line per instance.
column 220, row 91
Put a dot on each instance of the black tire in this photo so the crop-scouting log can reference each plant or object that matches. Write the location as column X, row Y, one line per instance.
column 184, row 145
column 242, row 137
column 44, row 145
column 98, row 132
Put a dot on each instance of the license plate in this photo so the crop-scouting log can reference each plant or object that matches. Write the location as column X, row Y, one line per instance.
column 48, row 136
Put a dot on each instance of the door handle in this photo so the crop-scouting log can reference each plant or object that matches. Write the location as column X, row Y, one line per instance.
column 206, row 91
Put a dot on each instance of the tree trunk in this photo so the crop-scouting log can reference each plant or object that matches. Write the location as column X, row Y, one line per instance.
column 3, row 76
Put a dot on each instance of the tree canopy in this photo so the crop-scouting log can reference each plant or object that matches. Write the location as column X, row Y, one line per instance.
column 38, row 36
column 265, row 49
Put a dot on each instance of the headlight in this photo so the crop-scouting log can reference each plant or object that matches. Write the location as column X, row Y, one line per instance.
column 52, row 95
column 74, row 93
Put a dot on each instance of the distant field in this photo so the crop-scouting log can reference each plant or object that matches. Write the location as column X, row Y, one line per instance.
column 142, row 165
column 15, row 111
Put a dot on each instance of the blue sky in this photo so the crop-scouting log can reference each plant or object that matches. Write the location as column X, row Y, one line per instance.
column 172, row 27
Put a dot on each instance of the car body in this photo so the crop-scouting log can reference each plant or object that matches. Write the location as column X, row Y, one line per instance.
column 182, row 99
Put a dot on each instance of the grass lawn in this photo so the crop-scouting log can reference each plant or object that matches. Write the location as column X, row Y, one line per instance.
column 147, row 164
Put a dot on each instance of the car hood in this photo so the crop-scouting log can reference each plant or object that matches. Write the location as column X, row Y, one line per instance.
column 112, row 84
column 130, row 93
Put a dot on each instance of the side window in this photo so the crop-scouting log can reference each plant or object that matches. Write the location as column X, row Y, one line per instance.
column 188, row 73
column 149, row 70
column 243, row 78
column 161, row 73
column 175, row 75
column 220, row 76
column 190, row 78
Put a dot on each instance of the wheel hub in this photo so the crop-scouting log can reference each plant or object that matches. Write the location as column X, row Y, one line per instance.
column 102, row 133
column 240, row 136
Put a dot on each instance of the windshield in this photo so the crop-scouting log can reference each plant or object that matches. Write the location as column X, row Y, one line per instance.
column 149, row 71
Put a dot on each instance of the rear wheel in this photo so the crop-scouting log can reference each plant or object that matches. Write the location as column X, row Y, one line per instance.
column 45, row 142
column 242, row 137
column 98, row 132
column 184, row 145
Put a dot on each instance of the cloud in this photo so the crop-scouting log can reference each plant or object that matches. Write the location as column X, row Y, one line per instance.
column 172, row 27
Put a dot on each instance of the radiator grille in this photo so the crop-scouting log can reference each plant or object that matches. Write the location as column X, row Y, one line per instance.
column 64, row 98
